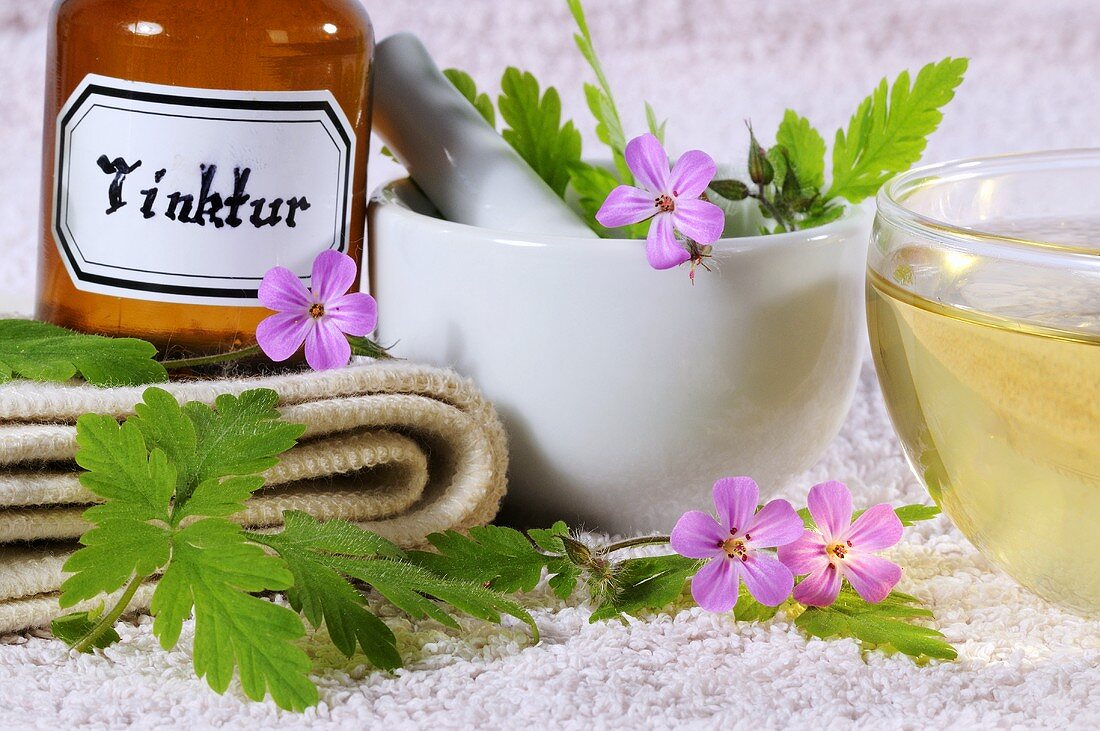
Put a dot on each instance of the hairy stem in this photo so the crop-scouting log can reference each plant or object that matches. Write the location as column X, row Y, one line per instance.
column 178, row 363
column 635, row 542
column 771, row 208
column 108, row 620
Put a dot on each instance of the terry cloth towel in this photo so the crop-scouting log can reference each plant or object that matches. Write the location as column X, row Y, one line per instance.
column 400, row 449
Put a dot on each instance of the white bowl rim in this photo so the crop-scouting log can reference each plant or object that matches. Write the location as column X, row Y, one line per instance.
column 852, row 222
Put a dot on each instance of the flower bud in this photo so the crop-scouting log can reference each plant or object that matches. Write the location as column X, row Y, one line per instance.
column 760, row 168
column 731, row 190
column 577, row 552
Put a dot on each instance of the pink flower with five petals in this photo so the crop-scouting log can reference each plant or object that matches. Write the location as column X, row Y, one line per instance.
column 733, row 543
column 670, row 199
column 843, row 549
column 320, row 317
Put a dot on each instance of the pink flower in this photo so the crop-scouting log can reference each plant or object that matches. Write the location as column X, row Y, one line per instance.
column 843, row 549
column 321, row 317
column 733, row 543
column 671, row 200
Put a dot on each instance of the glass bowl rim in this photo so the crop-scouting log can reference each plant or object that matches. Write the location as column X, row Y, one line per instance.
column 891, row 206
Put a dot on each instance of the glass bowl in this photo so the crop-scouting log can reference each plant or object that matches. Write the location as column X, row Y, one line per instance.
column 984, row 314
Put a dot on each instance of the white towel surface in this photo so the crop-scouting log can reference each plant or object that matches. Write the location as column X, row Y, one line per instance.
column 708, row 64
column 1022, row 663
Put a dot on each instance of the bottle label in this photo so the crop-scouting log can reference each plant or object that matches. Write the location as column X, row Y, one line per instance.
column 189, row 195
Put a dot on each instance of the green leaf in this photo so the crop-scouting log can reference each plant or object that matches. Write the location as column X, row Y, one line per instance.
column 241, row 435
column 368, row 348
column 889, row 131
column 213, row 571
column 534, row 129
column 72, row 628
column 494, row 556
column 913, row 514
column 136, row 483
column 645, row 583
column 468, row 88
column 908, row 514
column 731, row 190
column 609, row 126
column 115, row 550
column 879, row 626
column 748, row 609
column 40, row 351
column 407, row 585
column 592, row 184
column 322, row 594
column 805, row 149
column 657, row 129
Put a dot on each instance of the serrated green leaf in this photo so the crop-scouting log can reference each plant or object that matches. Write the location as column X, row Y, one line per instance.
column 72, row 628
column 907, row 514
column 368, row 348
column 657, row 129
column 805, row 149
column 609, row 126
column 136, row 483
column 645, row 583
column 241, row 435
column 404, row 583
column 494, row 556
column 748, row 609
column 468, row 88
column 213, row 571
column 40, row 351
column 533, row 127
column 878, row 626
column 115, row 550
column 592, row 185
column 550, row 539
column 216, row 498
column 889, row 131
column 322, row 594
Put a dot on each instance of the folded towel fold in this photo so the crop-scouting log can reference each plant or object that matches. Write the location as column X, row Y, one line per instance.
column 399, row 449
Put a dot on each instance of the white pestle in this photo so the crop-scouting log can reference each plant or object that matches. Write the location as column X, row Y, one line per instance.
column 462, row 164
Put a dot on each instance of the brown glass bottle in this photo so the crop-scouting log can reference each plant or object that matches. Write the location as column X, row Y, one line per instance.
column 233, row 47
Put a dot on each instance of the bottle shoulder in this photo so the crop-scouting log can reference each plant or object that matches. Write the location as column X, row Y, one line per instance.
column 256, row 22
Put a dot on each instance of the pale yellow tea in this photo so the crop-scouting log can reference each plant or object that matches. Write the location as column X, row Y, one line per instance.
column 1003, row 423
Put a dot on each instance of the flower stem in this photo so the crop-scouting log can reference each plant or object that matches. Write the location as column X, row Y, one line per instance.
column 203, row 360
column 108, row 620
column 635, row 542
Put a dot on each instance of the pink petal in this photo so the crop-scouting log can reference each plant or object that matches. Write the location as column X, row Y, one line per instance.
column 806, row 555
column 282, row 291
column 714, row 587
column 647, row 159
column 355, row 313
column 280, row 335
column 699, row 220
column 698, row 535
column 662, row 249
column 831, row 505
column 879, row 527
column 326, row 346
column 769, row 581
column 333, row 274
column 692, row 174
column 735, row 500
column 819, row 589
column 872, row 577
column 626, row 205
column 776, row 524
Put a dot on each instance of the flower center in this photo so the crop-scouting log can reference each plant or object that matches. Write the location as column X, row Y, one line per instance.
column 664, row 203
column 316, row 310
column 736, row 548
column 838, row 549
